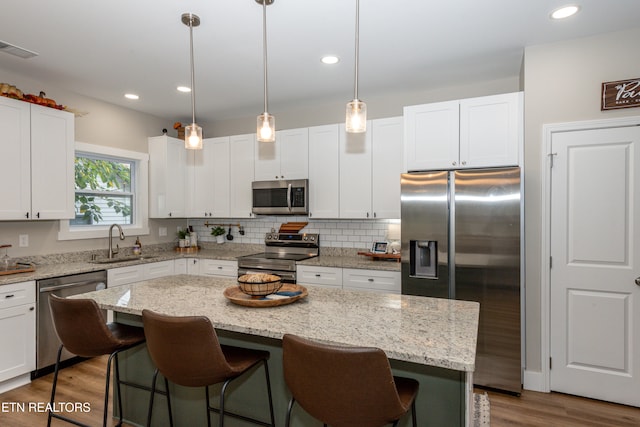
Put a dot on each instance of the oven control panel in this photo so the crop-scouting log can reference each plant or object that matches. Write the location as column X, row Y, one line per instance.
column 291, row 239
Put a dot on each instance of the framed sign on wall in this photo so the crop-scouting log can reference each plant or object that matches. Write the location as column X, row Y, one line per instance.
column 620, row 94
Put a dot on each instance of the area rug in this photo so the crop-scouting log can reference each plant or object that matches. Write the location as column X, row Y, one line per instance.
column 481, row 410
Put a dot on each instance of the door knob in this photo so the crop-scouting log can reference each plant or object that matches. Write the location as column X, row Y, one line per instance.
column 638, row 281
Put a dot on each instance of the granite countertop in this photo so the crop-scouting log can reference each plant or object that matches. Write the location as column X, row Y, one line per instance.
column 429, row 331
column 351, row 261
column 75, row 263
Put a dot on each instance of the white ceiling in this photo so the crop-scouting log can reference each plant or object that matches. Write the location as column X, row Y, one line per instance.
column 108, row 48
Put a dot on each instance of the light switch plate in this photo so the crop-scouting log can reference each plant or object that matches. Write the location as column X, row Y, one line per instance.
column 162, row 231
column 24, row 240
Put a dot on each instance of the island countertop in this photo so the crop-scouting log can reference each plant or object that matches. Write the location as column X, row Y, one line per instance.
column 429, row 331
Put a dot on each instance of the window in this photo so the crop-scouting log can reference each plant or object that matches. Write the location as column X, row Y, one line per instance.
column 110, row 188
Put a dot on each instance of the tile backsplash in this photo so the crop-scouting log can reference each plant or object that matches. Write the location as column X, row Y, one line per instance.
column 337, row 233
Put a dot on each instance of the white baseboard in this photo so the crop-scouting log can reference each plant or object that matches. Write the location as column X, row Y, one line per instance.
column 534, row 381
column 15, row 382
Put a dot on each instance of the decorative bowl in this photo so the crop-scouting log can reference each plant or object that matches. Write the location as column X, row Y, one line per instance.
column 259, row 284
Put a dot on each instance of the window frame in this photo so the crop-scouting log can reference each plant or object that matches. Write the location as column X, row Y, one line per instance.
column 140, row 189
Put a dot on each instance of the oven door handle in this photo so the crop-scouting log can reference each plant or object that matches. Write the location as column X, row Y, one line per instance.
column 289, row 197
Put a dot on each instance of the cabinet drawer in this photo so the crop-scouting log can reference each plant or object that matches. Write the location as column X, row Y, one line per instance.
column 158, row 269
column 372, row 280
column 211, row 267
column 322, row 276
column 17, row 294
column 124, row 275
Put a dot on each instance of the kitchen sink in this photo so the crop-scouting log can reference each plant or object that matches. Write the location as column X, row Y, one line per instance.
column 121, row 259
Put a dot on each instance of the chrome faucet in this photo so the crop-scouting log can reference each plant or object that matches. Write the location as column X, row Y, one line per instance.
column 111, row 251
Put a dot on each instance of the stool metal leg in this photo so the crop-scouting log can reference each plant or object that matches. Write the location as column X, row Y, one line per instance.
column 288, row 419
column 53, row 388
column 266, row 371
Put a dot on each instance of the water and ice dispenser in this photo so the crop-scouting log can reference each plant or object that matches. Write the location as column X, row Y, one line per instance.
column 423, row 258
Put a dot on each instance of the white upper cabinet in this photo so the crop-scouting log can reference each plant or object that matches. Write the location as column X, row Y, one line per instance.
column 355, row 173
column 241, row 176
column 208, row 179
column 324, row 172
column 36, row 161
column 286, row 158
column 167, row 177
column 469, row 133
column 387, row 164
column 370, row 168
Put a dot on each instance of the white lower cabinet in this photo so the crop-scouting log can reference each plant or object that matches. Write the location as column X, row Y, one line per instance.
column 180, row 266
column 17, row 333
column 371, row 280
column 319, row 276
column 215, row 267
column 124, row 275
column 158, row 269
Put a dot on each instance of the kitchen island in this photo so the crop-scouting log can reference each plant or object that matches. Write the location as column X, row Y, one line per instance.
column 432, row 340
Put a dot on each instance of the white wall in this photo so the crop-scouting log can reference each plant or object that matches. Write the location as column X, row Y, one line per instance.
column 562, row 83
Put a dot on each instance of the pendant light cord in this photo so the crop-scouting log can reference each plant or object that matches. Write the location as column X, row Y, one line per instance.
column 264, row 50
column 193, row 78
column 355, row 85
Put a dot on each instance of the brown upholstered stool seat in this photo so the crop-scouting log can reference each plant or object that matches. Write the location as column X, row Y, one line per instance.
column 187, row 352
column 345, row 386
column 83, row 331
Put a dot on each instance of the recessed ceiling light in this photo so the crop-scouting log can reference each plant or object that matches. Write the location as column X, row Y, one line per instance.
column 565, row 12
column 184, row 89
column 131, row 96
column 330, row 59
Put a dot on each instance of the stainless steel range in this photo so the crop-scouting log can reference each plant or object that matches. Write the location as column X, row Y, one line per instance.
column 282, row 250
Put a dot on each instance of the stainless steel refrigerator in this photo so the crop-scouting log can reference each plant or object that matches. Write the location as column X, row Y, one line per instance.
column 461, row 239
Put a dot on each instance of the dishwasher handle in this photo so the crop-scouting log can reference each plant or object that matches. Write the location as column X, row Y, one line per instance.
column 72, row 285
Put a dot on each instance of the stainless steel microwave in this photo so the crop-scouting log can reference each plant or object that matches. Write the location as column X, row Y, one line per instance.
column 282, row 197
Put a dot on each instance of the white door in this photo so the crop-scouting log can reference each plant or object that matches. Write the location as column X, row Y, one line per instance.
column 595, row 249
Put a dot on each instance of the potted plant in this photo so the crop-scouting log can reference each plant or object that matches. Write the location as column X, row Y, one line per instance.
column 182, row 237
column 219, row 233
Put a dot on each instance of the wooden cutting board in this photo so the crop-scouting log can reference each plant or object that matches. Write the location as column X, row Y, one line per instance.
column 292, row 227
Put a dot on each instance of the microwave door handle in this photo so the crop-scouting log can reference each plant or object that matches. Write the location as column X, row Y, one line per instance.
column 289, row 197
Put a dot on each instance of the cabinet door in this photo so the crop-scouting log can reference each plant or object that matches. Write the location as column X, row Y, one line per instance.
column 167, row 177
column 431, row 135
column 330, row 277
column 224, row 268
column 158, row 269
column 386, row 167
column 15, row 158
column 241, row 174
column 294, row 153
column 355, row 174
column 18, row 338
column 490, row 129
column 324, row 172
column 52, row 163
column 267, row 159
column 208, row 178
column 371, row 280
column 124, row 275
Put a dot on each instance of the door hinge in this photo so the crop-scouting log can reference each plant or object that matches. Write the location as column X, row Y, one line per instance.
column 551, row 159
column 550, row 262
column 550, row 363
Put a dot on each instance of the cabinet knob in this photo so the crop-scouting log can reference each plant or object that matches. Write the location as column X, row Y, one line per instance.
column 219, row 267
column 453, row 163
column 38, row 215
column 370, row 279
column 367, row 214
column 374, row 215
column 310, row 215
column 169, row 213
column 464, row 162
column 27, row 215
column 317, row 275
column 31, row 308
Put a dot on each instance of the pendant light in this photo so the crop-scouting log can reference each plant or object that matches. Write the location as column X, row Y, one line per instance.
column 356, row 120
column 266, row 129
column 193, row 133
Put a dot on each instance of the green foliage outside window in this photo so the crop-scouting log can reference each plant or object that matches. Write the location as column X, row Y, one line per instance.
column 101, row 184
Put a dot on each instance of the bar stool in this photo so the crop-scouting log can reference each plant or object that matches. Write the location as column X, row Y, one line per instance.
column 345, row 386
column 186, row 351
column 83, row 331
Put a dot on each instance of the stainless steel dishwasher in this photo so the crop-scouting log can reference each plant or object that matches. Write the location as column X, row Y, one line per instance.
column 47, row 342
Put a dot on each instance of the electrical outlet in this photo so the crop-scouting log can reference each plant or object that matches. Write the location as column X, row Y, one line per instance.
column 24, row 240
column 162, row 231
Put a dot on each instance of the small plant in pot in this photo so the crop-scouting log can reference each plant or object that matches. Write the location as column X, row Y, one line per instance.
column 219, row 233
column 182, row 237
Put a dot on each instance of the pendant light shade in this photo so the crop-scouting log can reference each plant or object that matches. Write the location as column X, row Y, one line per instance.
column 266, row 126
column 356, row 117
column 193, row 133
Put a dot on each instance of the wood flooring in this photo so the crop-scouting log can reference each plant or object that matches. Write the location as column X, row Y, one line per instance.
column 84, row 382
